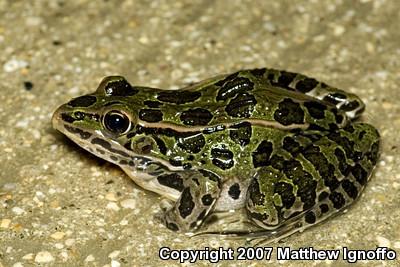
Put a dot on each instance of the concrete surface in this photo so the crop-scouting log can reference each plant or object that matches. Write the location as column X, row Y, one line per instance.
column 60, row 206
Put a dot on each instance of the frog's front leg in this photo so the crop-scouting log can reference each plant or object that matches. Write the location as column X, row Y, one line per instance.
column 201, row 190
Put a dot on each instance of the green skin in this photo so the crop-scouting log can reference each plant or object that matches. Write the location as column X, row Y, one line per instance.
column 281, row 145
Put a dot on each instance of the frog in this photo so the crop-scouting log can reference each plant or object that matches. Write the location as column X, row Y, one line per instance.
column 288, row 150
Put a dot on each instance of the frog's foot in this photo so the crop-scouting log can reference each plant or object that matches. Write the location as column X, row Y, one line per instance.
column 165, row 205
column 197, row 199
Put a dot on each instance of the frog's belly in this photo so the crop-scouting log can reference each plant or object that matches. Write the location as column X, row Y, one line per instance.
column 231, row 198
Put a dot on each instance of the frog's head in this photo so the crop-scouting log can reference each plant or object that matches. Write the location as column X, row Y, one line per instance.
column 104, row 123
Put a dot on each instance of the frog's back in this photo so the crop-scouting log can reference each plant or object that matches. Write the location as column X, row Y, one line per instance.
column 258, row 95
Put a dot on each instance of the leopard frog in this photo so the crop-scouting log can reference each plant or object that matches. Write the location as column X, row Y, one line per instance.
column 282, row 146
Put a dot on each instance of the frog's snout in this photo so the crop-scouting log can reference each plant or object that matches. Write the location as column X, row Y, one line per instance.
column 55, row 119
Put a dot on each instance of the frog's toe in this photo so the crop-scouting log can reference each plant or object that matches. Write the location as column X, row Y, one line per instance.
column 163, row 217
column 166, row 205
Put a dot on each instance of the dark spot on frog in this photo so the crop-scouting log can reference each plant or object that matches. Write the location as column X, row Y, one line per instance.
column 234, row 191
column 222, row 158
column 202, row 215
column 191, row 142
column 67, row 118
column 231, row 88
column 289, row 112
column 323, row 195
column 350, row 106
column 172, row 180
column 254, row 193
column 79, row 115
column 306, row 85
column 315, row 109
column 349, row 128
column 324, row 208
column 106, row 145
column 241, row 133
column 128, row 146
column 306, row 185
column 193, row 225
column 277, row 162
column 151, row 115
column 179, row 97
column 285, row 191
column 350, row 188
column 187, row 166
column 241, row 106
column 77, row 131
column 207, row 200
column 258, row 72
column 360, row 174
column 284, row 80
column 338, row 117
column 119, row 88
column 361, row 135
column 152, row 104
column 172, row 226
column 146, row 149
column 290, row 145
column 130, row 135
column 341, row 158
column 334, row 98
column 82, row 101
column 113, row 158
column 337, row 200
column 197, row 116
column 310, row 217
column 307, row 195
column 186, row 203
column 262, row 154
column 174, row 162
column 321, row 164
column 333, row 126
column 373, row 154
column 161, row 145
column 28, row 85
column 343, row 141
column 227, row 79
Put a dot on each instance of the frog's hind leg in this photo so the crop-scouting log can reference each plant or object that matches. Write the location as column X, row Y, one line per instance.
column 347, row 102
column 319, row 181
column 201, row 190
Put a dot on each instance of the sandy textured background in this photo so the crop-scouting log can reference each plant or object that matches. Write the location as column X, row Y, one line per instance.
column 60, row 206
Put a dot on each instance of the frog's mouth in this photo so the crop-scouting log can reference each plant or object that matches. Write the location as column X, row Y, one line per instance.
column 106, row 148
column 141, row 169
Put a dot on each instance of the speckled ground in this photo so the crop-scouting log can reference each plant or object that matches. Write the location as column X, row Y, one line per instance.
column 60, row 206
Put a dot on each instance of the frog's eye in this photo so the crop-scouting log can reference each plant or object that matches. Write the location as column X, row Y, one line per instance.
column 116, row 122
